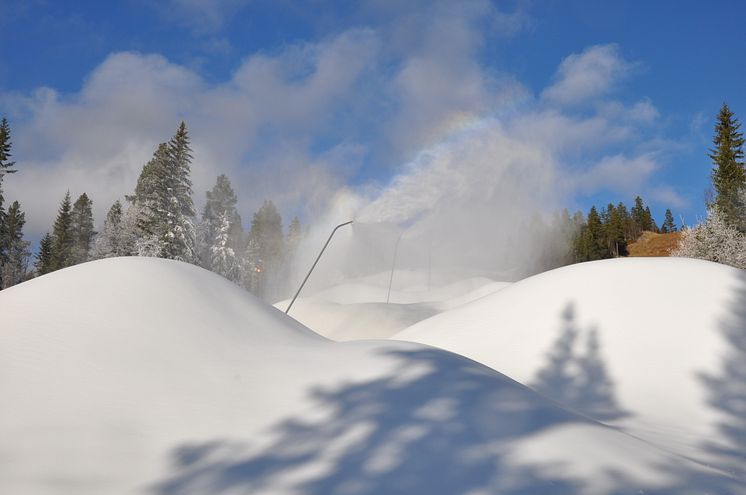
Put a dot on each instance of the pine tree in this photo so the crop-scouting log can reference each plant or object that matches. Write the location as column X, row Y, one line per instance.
column 147, row 205
column 251, row 267
column 728, row 173
column 5, row 147
column 109, row 242
column 45, row 256
column 637, row 219
column 295, row 235
column 266, row 232
column 5, row 168
column 15, row 267
column 63, row 236
column 648, row 221
column 220, row 205
column 179, row 241
column 223, row 258
column 668, row 225
column 82, row 229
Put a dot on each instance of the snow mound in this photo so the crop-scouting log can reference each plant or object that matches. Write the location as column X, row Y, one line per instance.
column 657, row 346
column 357, row 310
column 144, row 376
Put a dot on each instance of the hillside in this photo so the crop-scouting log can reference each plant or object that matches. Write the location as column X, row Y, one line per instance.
column 653, row 244
column 146, row 376
column 651, row 345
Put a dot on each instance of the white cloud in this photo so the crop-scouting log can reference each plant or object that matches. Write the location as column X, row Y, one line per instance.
column 667, row 196
column 588, row 75
column 202, row 16
column 617, row 173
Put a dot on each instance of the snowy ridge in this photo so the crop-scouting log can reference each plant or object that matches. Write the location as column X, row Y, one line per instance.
column 664, row 336
column 148, row 376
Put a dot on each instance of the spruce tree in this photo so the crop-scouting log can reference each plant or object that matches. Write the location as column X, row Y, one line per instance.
column 63, row 236
column 179, row 241
column 148, row 204
column 82, row 229
column 220, row 205
column 266, row 233
column 109, row 241
column 45, row 256
column 668, row 224
column 295, row 235
column 6, row 167
column 728, row 173
column 15, row 267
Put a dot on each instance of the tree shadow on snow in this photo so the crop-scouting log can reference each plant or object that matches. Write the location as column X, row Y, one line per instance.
column 578, row 379
column 727, row 392
column 437, row 424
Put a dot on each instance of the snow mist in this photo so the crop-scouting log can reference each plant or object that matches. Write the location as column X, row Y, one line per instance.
column 478, row 203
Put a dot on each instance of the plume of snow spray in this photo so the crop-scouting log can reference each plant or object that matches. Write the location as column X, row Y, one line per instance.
column 474, row 204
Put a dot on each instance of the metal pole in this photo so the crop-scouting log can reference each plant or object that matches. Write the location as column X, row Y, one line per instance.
column 314, row 264
column 393, row 265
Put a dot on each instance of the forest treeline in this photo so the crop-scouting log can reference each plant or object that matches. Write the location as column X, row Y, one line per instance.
column 159, row 219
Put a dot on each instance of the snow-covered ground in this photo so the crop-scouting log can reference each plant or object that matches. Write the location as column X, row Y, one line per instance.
column 145, row 376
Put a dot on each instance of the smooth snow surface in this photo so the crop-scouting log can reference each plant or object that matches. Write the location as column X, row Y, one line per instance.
column 657, row 346
column 145, row 376
column 358, row 309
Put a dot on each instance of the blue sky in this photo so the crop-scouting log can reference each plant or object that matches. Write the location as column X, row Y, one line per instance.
column 295, row 100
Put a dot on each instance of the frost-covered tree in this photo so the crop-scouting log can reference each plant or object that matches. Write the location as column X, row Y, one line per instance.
column 211, row 232
column 728, row 173
column 179, row 238
column 110, row 241
column 44, row 257
column 223, row 258
column 715, row 239
column 82, row 228
column 17, row 250
column 162, row 205
column 63, row 236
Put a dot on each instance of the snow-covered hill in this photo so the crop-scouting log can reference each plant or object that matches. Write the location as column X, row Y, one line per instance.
column 145, row 376
column 655, row 345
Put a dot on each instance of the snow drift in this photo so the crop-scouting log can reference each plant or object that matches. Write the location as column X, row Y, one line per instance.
column 148, row 376
column 657, row 346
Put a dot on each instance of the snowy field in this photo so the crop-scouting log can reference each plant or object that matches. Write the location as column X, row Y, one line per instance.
column 147, row 376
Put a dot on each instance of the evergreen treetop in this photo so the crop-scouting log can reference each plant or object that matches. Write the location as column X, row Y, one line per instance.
column 728, row 173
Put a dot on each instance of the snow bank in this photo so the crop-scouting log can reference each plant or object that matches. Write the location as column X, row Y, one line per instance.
column 655, row 345
column 357, row 309
column 144, row 376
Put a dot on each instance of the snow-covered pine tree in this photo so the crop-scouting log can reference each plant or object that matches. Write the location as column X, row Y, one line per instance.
column 223, row 258
column 220, row 205
column 179, row 240
column 44, row 257
column 147, row 205
column 15, row 267
column 82, row 227
column 63, row 236
column 109, row 241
